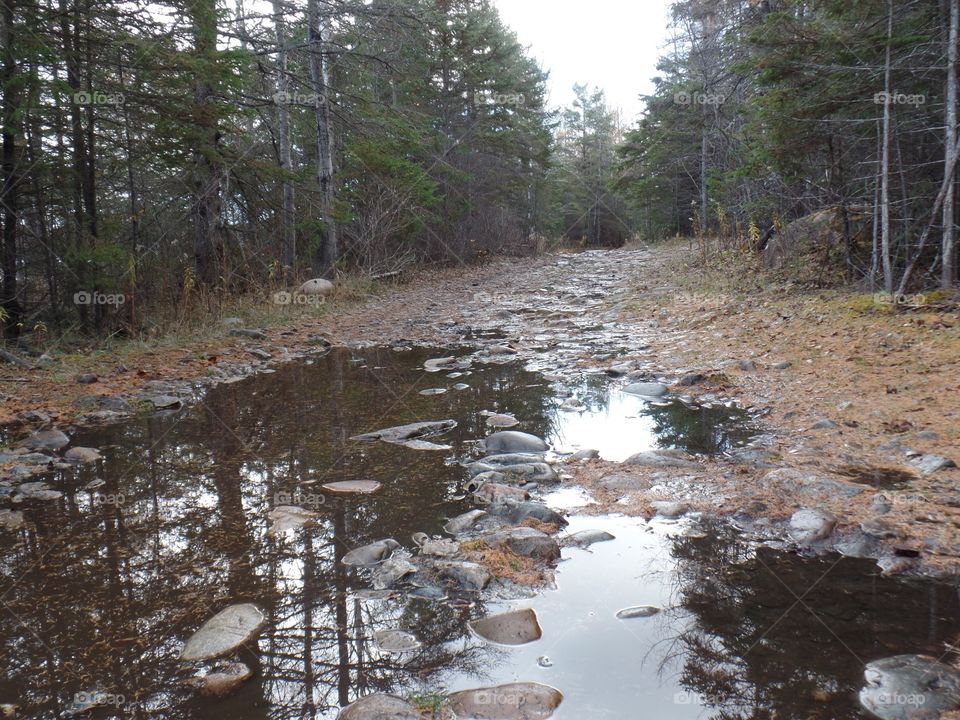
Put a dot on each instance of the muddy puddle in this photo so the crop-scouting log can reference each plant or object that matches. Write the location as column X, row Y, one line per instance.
column 101, row 588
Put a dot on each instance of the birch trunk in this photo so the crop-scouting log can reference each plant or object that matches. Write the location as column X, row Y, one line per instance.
column 948, row 248
column 885, row 162
column 328, row 253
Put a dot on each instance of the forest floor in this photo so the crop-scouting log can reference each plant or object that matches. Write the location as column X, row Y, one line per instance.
column 887, row 381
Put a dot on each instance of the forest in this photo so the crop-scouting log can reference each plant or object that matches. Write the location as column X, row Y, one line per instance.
column 156, row 155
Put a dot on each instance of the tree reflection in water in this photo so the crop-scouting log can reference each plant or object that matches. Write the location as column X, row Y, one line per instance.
column 102, row 587
column 775, row 635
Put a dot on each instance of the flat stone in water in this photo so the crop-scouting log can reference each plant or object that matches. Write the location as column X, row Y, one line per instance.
column 379, row 706
column 411, row 431
column 224, row 632
column 45, row 440
column 670, row 508
column 36, row 491
column 909, row 687
column 354, row 487
column 222, row 680
column 424, row 445
column 513, row 441
column 433, row 391
column 517, row 627
column 289, row 517
column 586, row 538
column 646, row 389
column 395, row 641
column 639, row 611
column 464, row 522
column 372, row 554
column 82, row 455
column 500, row 420
column 513, row 701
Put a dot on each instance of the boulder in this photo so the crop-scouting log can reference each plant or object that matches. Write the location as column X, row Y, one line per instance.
column 909, row 687
column 526, row 541
column 45, row 440
column 372, row 554
column 379, row 706
column 809, row 525
column 226, row 631
column 647, row 389
column 517, row 627
column 513, row 441
column 222, row 680
column 513, row 701
column 82, row 455
column 662, row 458
column 316, row 286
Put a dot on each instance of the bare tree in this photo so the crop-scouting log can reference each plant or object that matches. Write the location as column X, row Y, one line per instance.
column 328, row 253
column 282, row 99
column 885, row 160
column 948, row 249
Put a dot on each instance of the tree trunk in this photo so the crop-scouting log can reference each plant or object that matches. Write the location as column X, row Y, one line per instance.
column 9, row 199
column 948, row 275
column 207, row 171
column 885, row 162
column 289, row 230
column 328, row 253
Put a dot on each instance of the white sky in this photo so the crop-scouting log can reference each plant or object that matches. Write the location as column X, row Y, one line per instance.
column 613, row 44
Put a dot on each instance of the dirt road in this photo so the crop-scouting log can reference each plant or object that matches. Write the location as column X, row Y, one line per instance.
column 856, row 406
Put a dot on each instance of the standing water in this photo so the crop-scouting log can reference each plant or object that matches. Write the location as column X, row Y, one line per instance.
column 102, row 588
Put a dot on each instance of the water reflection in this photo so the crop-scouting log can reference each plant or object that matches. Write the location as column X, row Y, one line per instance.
column 101, row 588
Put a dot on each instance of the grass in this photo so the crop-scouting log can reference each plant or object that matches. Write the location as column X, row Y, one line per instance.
column 431, row 705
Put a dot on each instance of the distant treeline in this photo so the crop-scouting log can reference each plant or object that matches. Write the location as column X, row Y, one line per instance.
column 768, row 110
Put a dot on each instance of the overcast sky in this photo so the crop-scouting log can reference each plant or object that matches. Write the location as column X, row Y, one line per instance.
column 610, row 43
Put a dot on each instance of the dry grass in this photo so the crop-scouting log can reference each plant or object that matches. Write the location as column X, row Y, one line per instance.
column 504, row 564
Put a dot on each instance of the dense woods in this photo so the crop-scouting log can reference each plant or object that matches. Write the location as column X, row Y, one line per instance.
column 194, row 149
column 767, row 111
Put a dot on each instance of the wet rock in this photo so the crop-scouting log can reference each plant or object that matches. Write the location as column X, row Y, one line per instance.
column 433, row 391
column 824, row 424
column 691, row 379
column 33, row 416
column 647, row 389
column 82, row 455
column 807, row 486
column 248, row 332
column 423, row 445
column 622, row 483
column 755, row 457
column 11, row 520
column 620, row 369
column 809, row 525
column 513, row 441
column 379, row 707
column 526, row 541
column 317, row 286
column 586, row 538
column 879, row 528
column 289, row 517
column 538, row 472
column 463, row 523
column 488, row 476
column 662, row 458
column 260, row 353
column 352, row 487
column 514, row 701
column 909, row 687
column 490, row 492
column 572, row 404
column 670, row 508
column 495, row 462
column 221, row 681
column 224, row 632
column 45, row 440
column 638, row 611
column 103, row 417
column 36, row 491
column 585, row 454
column 468, row 575
column 162, row 402
column 500, row 420
column 517, row 627
column 929, row 464
column 391, row 571
column 395, row 641
column 372, row 554
column 517, row 512
column 436, row 547
column 895, row 565
column 86, row 379
column 113, row 403
column 446, row 363
column 27, row 458
column 412, row 431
